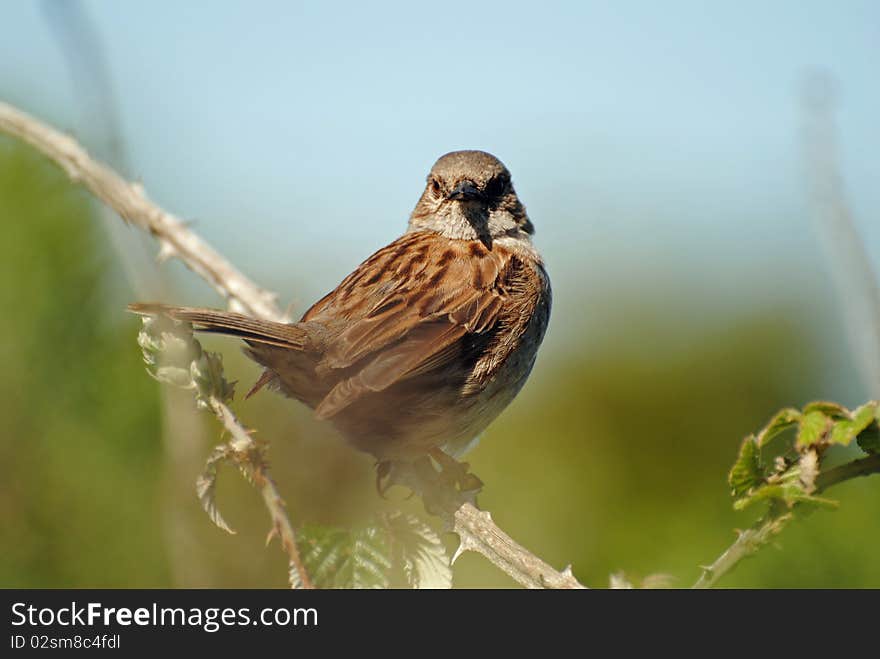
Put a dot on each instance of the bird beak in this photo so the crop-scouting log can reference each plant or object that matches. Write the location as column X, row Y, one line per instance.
column 465, row 191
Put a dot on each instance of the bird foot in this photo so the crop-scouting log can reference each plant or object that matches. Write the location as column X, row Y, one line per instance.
column 456, row 474
column 443, row 482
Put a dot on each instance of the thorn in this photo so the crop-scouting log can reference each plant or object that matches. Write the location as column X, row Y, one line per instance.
column 383, row 471
column 273, row 533
column 464, row 544
column 566, row 571
column 166, row 251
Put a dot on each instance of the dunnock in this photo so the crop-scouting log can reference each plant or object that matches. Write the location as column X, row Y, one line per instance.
column 430, row 338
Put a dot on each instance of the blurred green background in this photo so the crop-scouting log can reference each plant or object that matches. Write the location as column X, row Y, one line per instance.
column 660, row 164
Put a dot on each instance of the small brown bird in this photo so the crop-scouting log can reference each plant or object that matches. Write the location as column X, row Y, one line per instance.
column 430, row 338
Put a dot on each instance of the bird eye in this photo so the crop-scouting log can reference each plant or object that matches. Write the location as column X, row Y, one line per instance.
column 436, row 190
column 497, row 186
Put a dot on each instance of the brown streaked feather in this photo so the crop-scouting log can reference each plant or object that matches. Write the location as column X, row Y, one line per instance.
column 383, row 306
column 407, row 308
column 405, row 359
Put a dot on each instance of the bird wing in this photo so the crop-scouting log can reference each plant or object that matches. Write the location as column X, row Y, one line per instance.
column 405, row 310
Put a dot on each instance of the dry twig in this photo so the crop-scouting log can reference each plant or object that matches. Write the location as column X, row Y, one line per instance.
column 129, row 201
column 251, row 456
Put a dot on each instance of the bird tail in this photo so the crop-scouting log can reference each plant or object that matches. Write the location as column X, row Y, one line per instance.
column 252, row 330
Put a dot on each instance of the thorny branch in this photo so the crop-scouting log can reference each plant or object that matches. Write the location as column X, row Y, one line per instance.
column 479, row 533
column 132, row 204
column 848, row 471
column 777, row 518
column 747, row 543
column 475, row 528
column 252, row 457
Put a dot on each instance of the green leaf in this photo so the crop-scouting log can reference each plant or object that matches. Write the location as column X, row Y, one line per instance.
column 812, row 429
column 175, row 357
column 168, row 348
column 783, row 420
column 338, row 558
column 367, row 563
column 370, row 557
column 834, row 410
column 789, row 493
column 418, row 552
column 845, row 431
column 765, row 493
column 746, row 472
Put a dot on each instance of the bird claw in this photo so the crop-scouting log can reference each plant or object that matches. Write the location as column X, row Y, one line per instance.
column 383, row 480
column 457, row 474
column 389, row 474
column 443, row 482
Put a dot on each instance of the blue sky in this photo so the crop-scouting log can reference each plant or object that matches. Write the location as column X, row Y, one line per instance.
column 651, row 142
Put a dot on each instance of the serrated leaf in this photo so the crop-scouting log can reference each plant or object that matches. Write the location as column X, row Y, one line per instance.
column 790, row 493
column 168, row 348
column 780, row 422
column 763, row 493
column 834, row 410
column 368, row 562
column 319, row 550
column 746, row 472
column 846, row 430
column 370, row 556
column 338, row 558
column 419, row 552
column 812, row 429
column 206, row 487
